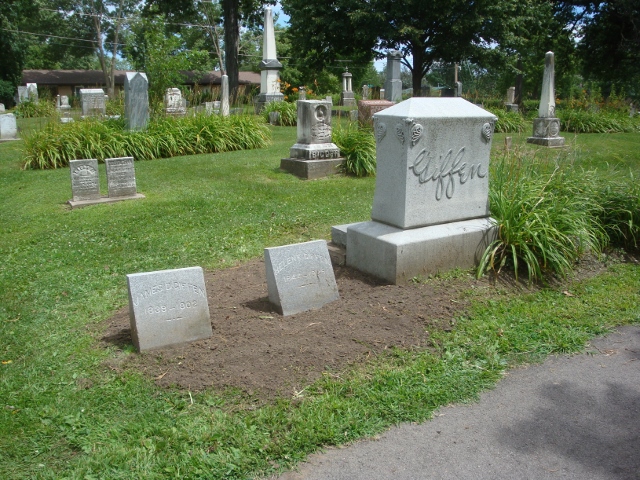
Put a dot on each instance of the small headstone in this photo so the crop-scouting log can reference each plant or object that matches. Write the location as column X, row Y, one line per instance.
column 2, row 109
column 8, row 127
column 121, row 177
column 93, row 102
column 32, row 92
column 224, row 103
column 274, row 118
column 300, row 277
column 366, row 92
column 511, row 95
column 168, row 307
column 173, row 102
column 302, row 93
column 85, row 180
column 507, row 143
column 136, row 101
column 329, row 99
column 382, row 94
column 458, row 89
column 367, row 108
column 23, row 95
column 393, row 84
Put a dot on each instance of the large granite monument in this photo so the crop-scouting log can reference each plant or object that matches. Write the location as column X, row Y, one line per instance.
column 393, row 83
column 546, row 128
column 313, row 155
column 136, row 101
column 269, row 66
column 431, row 203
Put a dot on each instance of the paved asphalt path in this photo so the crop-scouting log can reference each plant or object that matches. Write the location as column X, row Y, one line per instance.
column 575, row 417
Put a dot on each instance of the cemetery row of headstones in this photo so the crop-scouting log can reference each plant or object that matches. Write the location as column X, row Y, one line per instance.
column 85, row 181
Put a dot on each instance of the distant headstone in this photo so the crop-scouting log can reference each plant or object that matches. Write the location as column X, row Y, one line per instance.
column 347, row 97
column 546, row 128
column 366, row 92
column 32, row 92
column 302, row 93
column 511, row 94
column 121, row 177
column 136, row 101
column 458, row 89
column 93, row 102
column 2, row 109
column 269, row 66
column 431, row 203
column 224, row 103
column 313, row 155
column 23, row 94
column 168, row 307
column 85, row 180
column 212, row 108
column 274, row 118
column 300, row 277
column 173, row 102
column 367, row 108
column 8, row 127
column 393, row 84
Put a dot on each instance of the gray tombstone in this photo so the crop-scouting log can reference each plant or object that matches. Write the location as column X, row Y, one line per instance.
column 313, row 155
column 32, row 92
column 224, row 101
column 546, row 127
column 173, row 102
column 168, row 307
column 302, row 93
column 93, row 102
column 23, row 94
column 121, row 177
column 431, row 203
column 8, row 127
column 136, row 101
column 2, row 109
column 511, row 95
column 85, row 180
column 300, row 277
column 393, row 83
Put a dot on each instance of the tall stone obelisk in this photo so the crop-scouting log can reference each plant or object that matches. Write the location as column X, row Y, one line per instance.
column 270, row 66
column 546, row 127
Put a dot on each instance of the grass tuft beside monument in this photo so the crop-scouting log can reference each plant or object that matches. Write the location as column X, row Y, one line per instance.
column 358, row 147
column 56, row 144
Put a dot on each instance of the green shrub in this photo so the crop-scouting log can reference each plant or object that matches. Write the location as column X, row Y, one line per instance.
column 620, row 211
column 510, row 122
column 358, row 147
column 584, row 121
column 288, row 112
column 546, row 214
column 56, row 144
column 40, row 109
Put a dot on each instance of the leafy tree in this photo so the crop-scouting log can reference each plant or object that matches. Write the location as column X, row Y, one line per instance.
column 12, row 46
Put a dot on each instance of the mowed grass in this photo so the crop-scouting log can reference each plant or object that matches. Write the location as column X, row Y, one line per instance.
column 63, row 414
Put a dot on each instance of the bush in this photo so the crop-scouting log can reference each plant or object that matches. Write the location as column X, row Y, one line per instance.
column 584, row 121
column 288, row 112
column 546, row 214
column 56, row 144
column 358, row 147
column 510, row 122
column 41, row 109
column 620, row 212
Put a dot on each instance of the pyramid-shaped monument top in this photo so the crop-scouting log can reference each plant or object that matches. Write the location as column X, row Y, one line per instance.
column 432, row 162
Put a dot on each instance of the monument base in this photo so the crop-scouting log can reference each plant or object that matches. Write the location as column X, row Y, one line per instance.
column 311, row 169
column 348, row 99
column 397, row 255
column 264, row 98
column 545, row 132
column 98, row 201
column 553, row 142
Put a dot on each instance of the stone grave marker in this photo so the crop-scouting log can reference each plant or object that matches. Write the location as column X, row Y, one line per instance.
column 431, row 203
column 8, row 127
column 347, row 97
column 23, row 94
column 173, row 102
column 136, row 101
column 85, row 180
column 269, row 66
column 367, row 108
column 313, row 155
column 2, row 109
column 121, row 177
column 93, row 102
column 224, row 98
column 32, row 92
column 168, row 307
column 546, row 127
column 300, row 277
column 393, row 84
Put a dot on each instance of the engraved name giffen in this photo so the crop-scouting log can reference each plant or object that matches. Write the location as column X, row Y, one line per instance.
column 443, row 170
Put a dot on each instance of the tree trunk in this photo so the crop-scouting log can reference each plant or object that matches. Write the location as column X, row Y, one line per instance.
column 418, row 71
column 231, row 39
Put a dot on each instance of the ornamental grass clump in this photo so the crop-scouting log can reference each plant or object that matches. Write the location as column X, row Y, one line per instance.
column 358, row 147
column 56, row 144
column 546, row 213
column 510, row 122
column 582, row 121
column 619, row 215
column 288, row 112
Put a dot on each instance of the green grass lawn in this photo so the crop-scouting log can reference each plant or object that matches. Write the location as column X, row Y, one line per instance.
column 64, row 415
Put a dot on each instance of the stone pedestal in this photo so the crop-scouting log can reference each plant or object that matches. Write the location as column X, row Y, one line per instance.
column 546, row 132
column 313, row 155
column 393, row 84
column 431, row 204
column 546, row 127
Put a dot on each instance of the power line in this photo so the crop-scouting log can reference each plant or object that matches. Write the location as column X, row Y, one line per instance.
column 57, row 36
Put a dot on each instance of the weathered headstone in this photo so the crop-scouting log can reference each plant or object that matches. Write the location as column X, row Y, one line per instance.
column 269, row 66
column 32, row 92
column 300, row 277
column 458, row 89
column 8, row 127
column 366, row 92
column 136, row 101
column 93, row 102
column 168, row 307
column 313, row 155
column 546, row 127
column 23, row 94
column 347, row 97
column 121, row 177
column 510, row 104
column 367, row 108
column 302, row 93
column 173, row 102
column 224, row 103
column 2, row 109
column 85, row 180
column 393, row 83
column 431, row 203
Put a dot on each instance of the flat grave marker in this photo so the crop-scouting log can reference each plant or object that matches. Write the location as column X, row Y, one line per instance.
column 168, row 307
column 300, row 277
